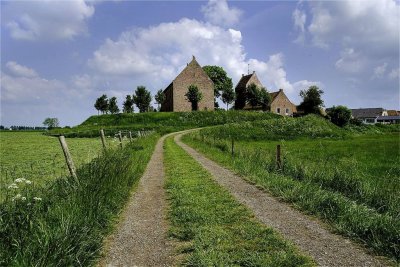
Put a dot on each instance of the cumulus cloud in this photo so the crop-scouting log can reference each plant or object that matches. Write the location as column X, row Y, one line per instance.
column 219, row 13
column 47, row 20
column 155, row 55
column 19, row 70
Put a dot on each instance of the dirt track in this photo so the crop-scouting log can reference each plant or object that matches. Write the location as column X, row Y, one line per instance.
column 309, row 235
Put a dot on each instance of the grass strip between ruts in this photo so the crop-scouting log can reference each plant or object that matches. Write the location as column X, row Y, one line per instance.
column 214, row 228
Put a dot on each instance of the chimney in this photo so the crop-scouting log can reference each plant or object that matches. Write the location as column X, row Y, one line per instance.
column 242, row 75
column 280, row 90
column 254, row 71
column 194, row 58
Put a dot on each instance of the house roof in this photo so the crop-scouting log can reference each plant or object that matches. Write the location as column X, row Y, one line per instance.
column 244, row 80
column 367, row 112
column 274, row 95
column 383, row 118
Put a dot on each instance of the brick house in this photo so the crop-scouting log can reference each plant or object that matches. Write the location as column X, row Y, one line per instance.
column 280, row 103
column 175, row 99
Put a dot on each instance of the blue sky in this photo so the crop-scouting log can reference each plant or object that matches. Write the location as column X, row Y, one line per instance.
column 57, row 57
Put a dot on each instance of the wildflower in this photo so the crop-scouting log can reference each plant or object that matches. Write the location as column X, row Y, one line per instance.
column 18, row 196
column 20, row 180
column 37, row 199
column 28, row 182
column 13, row 186
column 23, row 198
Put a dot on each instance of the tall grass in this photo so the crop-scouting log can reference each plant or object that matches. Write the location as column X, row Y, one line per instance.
column 64, row 224
column 363, row 208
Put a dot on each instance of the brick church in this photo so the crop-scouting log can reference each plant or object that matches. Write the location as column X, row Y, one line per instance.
column 193, row 74
column 280, row 103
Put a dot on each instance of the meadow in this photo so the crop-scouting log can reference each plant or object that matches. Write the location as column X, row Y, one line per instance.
column 39, row 158
column 349, row 177
column 64, row 223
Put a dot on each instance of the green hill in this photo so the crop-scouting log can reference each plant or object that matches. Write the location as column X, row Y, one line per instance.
column 162, row 122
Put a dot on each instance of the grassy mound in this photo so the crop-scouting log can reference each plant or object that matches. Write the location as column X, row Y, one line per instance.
column 162, row 122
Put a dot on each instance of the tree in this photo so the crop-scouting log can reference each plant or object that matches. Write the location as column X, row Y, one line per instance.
column 253, row 95
column 228, row 96
column 159, row 97
column 194, row 96
column 312, row 101
column 102, row 104
column 339, row 115
column 142, row 99
column 128, row 104
column 112, row 105
column 265, row 99
column 220, row 79
column 51, row 123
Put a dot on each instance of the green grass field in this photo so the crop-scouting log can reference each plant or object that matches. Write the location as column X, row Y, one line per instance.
column 349, row 178
column 39, row 158
column 215, row 229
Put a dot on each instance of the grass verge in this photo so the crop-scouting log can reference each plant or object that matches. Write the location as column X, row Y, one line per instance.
column 64, row 224
column 216, row 229
column 380, row 232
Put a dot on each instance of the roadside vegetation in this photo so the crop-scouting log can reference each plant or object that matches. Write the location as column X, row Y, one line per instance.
column 349, row 177
column 63, row 223
column 215, row 230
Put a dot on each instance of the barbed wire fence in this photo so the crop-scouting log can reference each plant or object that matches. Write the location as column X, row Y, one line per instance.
column 63, row 164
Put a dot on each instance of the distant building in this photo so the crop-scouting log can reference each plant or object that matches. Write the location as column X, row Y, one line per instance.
column 368, row 115
column 280, row 103
column 175, row 99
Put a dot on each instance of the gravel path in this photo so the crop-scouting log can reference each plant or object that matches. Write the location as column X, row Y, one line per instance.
column 308, row 234
column 141, row 236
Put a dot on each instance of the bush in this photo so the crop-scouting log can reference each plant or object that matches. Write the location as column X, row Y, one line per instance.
column 339, row 115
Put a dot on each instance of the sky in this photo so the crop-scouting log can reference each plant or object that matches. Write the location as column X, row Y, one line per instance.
column 57, row 57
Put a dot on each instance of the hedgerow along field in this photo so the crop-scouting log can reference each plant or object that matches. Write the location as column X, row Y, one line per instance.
column 349, row 177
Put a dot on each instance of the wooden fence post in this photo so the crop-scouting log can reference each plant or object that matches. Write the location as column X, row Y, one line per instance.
column 278, row 157
column 103, row 139
column 130, row 136
column 120, row 138
column 68, row 158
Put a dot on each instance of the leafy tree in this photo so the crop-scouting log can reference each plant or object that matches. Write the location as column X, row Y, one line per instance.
column 112, row 105
column 228, row 96
column 194, row 96
column 51, row 122
column 128, row 104
column 339, row 115
column 102, row 104
column 159, row 97
column 253, row 95
column 312, row 101
column 142, row 99
column 265, row 99
column 221, row 80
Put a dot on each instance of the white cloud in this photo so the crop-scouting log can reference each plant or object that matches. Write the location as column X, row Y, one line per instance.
column 47, row 20
column 154, row 56
column 351, row 61
column 19, row 70
column 379, row 71
column 219, row 13
column 394, row 74
column 299, row 19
